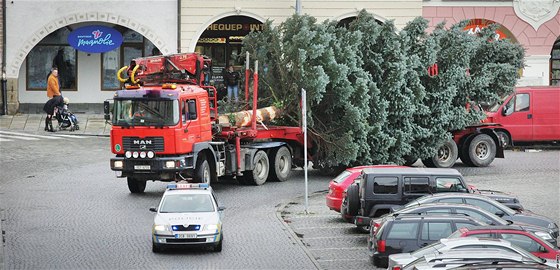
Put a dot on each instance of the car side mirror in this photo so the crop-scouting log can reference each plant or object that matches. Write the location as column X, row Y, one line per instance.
column 221, row 208
column 153, row 209
column 500, row 214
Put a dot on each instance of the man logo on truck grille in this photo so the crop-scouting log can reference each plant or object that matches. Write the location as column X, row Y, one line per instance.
column 142, row 142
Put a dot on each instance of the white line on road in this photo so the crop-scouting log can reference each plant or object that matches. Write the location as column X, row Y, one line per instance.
column 19, row 137
column 4, row 140
column 30, row 135
column 70, row 136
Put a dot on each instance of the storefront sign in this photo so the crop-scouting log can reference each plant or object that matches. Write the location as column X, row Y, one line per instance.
column 235, row 27
column 476, row 25
column 95, row 39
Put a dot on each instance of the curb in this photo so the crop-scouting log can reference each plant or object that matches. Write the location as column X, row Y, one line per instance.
column 293, row 234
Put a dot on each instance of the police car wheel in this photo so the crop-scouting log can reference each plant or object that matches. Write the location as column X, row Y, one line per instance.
column 156, row 248
column 218, row 247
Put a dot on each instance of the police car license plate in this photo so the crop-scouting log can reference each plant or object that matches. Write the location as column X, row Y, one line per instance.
column 142, row 167
column 186, row 235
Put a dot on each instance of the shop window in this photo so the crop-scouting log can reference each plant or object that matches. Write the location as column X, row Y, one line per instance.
column 134, row 45
column 555, row 63
column 52, row 51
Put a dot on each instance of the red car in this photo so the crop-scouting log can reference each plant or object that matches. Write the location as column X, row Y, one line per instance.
column 338, row 185
column 516, row 235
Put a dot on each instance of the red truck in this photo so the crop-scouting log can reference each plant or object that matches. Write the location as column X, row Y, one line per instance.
column 530, row 114
column 165, row 127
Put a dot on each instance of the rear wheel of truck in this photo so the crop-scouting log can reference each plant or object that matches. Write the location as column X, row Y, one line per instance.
column 353, row 199
column 482, row 150
column 445, row 157
column 202, row 173
column 281, row 164
column 136, row 186
column 261, row 167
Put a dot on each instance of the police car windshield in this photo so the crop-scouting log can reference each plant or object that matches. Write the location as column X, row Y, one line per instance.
column 187, row 203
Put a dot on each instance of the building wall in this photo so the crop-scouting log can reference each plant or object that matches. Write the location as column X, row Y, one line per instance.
column 537, row 41
column 28, row 22
column 196, row 15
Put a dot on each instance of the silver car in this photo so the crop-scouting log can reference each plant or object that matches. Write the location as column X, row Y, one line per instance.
column 188, row 215
column 445, row 245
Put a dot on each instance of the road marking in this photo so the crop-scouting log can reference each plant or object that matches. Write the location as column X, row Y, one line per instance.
column 70, row 136
column 335, row 237
column 346, row 248
column 30, row 135
column 19, row 137
column 5, row 140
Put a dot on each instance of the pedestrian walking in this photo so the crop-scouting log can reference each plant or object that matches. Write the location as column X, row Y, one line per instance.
column 231, row 78
column 53, row 87
column 50, row 110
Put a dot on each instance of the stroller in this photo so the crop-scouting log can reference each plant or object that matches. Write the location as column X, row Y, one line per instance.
column 66, row 119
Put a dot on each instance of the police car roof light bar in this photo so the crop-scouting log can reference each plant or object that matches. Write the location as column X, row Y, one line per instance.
column 187, row 186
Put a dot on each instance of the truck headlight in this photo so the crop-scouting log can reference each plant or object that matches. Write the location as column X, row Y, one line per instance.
column 170, row 164
column 128, row 154
column 543, row 235
column 118, row 164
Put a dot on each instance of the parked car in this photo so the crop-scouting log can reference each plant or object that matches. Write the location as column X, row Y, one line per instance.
column 518, row 235
column 381, row 189
column 338, row 185
column 444, row 245
column 453, row 259
column 407, row 233
column 473, row 211
column 531, row 114
column 492, row 206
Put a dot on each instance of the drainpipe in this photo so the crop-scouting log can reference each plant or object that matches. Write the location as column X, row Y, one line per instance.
column 4, row 80
column 179, row 26
column 298, row 7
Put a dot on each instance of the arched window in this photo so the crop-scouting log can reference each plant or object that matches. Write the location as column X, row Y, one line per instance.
column 555, row 63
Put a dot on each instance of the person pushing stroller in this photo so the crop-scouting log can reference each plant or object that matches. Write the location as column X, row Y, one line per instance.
column 49, row 108
column 66, row 119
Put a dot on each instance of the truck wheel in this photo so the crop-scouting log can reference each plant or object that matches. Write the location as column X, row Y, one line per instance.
column 261, row 167
column 446, row 155
column 136, row 186
column 409, row 161
column 482, row 150
column 353, row 199
column 202, row 174
column 281, row 160
column 504, row 138
column 428, row 163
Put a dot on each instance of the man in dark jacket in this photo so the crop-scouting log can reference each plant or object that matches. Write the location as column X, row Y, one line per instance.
column 49, row 109
column 231, row 79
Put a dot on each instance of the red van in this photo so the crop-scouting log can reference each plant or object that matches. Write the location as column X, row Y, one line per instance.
column 531, row 114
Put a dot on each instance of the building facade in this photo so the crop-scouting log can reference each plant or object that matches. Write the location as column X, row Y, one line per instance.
column 37, row 34
column 535, row 24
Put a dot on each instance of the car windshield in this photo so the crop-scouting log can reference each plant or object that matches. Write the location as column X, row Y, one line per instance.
column 341, row 177
column 187, row 203
column 141, row 112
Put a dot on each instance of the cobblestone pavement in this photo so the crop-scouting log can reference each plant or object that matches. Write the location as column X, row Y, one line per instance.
column 534, row 176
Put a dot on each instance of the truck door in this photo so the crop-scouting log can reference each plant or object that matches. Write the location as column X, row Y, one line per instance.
column 518, row 117
column 190, row 120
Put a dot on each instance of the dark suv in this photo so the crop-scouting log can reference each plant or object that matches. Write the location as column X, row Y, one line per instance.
column 407, row 233
column 377, row 191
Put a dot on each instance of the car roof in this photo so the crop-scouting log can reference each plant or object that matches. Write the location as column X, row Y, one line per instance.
column 445, row 205
column 456, row 195
column 496, row 228
column 437, row 216
column 468, row 253
column 377, row 167
column 474, row 240
column 412, row 170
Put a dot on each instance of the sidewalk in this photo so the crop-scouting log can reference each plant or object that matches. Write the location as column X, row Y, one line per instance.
column 90, row 124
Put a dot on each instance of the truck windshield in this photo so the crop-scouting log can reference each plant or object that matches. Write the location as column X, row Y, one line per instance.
column 137, row 112
column 494, row 107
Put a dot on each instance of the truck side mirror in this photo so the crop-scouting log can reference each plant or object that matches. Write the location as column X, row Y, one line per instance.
column 107, row 109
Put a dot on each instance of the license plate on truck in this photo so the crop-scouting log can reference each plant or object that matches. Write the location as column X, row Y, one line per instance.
column 142, row 167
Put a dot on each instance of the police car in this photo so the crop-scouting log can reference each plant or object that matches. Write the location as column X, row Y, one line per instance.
column 188, row 214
